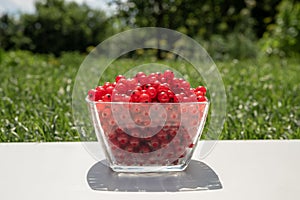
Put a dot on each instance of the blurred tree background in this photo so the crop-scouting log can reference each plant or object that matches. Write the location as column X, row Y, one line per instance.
column 227, row 29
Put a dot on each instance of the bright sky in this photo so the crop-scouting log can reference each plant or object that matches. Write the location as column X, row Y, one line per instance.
column 17, row 6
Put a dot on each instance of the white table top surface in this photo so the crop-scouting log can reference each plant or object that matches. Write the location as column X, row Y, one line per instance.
column 246, row 169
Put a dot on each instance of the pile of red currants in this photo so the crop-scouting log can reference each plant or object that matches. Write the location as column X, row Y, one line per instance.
column 156, row 87
column 155, row 120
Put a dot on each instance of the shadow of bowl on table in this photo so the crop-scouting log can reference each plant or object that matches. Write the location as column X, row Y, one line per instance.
column 197, row 176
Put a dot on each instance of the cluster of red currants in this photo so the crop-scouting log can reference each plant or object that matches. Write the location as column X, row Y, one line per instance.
column 145, row 140
column 142, row 133
column 156, row 87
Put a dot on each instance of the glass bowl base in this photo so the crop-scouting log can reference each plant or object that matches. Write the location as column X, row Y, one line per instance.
column 154, row 168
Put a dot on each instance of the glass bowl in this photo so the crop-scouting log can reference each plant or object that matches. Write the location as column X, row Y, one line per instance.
column 148, row 137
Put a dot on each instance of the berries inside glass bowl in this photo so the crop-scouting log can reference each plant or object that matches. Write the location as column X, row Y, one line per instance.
column 148, row 120
column 155, row 87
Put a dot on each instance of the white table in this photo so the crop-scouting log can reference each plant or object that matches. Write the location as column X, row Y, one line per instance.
column 247, row 170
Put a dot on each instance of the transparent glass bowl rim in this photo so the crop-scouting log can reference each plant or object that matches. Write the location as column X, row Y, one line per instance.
column 150, row 103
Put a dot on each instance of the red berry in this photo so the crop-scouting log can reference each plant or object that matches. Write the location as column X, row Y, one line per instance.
column 134, row 142
column 106, row 84
column 172, row 133
column 162, row 135
column 171, row 96
column 158, row 75
column 126, row 98
column 129, row 148
column 134, row 108
column 128, row 92
column 175, row 83
column 201, row 89
column 101, row 89
column 168, row 74
column 178, row 98
column 152, row 79
column 106, row 98
column 144, row 98
column 119, row 77
column 164, row 87
column 116, row 97
column 156, row 83
column 163, row 80
column 131, row 83
column 138, row 120
column 155, row 143
column 106, row 113
column 199, row 93
column 121, row 88
column 151, row 91
column 122, row 139
column 144, row 149
column 92, row 94
column 139, row 74
column 146, row 86
column 138, row 87
column 173, row 115
column 142, row 79
column 152, row 75
column 109, row 89
column 112, row 135
column 135, row 95
column 163, row 97
column 185, row 85
column 143, row 91
column 201, row 99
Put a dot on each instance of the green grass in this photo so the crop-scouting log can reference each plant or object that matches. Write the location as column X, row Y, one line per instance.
column 263, row 99
column 262, row 96
column 36, row 97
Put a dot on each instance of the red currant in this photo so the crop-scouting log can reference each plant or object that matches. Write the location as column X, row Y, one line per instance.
column 201, row 98
column 134, row 142
column 106, row 84
column 156, row 87
column 168, row 74
column 144, row 98
column 123, row 139
column 92, row 94
column 121, row 88
column 135, row 96
column 144, row 149
column 155, row 143
column 201, row 89
column 163, row 97
column 185, row 85
column 109, row 89
column 106, row 113
column 199, row 93
column 139, row 74
column 162, row 135
column 164, row 87
column 106, row 98
column 119, row 77
column 151, row 91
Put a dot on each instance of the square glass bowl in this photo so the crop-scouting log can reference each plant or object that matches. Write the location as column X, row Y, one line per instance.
column 148, row 137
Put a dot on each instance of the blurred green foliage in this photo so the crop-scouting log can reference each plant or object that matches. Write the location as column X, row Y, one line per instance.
column 227, row 29
column 56, row 26
column 283, row 37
